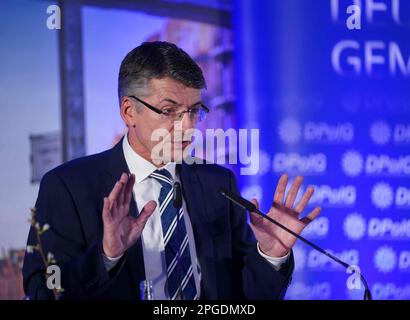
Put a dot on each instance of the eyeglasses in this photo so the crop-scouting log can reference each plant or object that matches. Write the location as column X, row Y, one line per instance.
column 196, row 114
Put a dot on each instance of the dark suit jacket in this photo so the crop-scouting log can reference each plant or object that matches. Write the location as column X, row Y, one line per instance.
column 70, row 200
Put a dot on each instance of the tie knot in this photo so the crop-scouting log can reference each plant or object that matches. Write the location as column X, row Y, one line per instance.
column 162, row 176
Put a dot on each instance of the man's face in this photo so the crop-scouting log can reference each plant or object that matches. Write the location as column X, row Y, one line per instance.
column 163, row 94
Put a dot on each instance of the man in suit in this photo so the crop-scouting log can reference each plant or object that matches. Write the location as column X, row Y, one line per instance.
column 112, row 219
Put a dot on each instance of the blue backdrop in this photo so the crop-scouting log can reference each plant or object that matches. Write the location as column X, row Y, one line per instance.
column 333, row 104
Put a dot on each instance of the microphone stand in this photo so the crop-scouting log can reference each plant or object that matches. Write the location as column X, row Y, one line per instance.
column 247, row 205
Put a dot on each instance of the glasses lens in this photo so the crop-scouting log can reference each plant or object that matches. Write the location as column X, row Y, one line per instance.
column 195, row 114
column 170, row 114
column 201, row 116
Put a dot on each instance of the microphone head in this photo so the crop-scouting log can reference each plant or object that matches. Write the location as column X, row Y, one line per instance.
column 177, row 195
column 238, row 200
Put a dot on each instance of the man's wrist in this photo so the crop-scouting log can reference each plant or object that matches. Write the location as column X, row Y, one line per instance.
column 113, row 258
column 276, row 262
column 111, row 254
column 274, row 252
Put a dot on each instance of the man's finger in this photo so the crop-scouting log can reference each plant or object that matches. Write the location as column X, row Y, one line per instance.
column 255, row 202
column 114, row 193
column 311, row 216
column 113, row 196
column 146, row 213
column 124, row 177
column 305, row 200
column 128, row 189
column 293, row 192
column 139, row 222
column 254, row 217
column 106, row 211
column 114, row 209
column 280, row 189
column 123, row 180
column 121, row 196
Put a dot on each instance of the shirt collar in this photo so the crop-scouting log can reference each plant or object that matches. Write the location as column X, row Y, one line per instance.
column 139, row 166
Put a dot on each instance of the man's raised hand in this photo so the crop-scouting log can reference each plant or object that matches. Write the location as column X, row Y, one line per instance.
column 121, row 230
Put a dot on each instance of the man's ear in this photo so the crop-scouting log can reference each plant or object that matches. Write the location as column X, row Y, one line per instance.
column 127, row 111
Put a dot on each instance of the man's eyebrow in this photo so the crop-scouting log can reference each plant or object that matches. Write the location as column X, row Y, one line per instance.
column 176, row 103
column 169, row 100
column 196, row 103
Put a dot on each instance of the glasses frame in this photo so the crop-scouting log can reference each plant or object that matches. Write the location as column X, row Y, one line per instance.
column 158, row 111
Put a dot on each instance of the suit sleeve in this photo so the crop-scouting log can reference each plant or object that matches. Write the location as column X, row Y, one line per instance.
column 256, row 278
column 83, row 273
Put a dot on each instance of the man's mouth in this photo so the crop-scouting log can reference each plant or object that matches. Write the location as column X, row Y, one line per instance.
column 182, row 143
column 186, row 143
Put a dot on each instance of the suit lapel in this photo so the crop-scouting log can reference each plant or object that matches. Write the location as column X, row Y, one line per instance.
column 197, row 204
column 116, row 165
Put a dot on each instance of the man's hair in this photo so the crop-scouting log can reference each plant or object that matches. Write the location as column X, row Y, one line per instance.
column 156, row 60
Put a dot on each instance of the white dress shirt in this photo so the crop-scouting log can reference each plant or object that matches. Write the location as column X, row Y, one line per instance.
column 146, row 189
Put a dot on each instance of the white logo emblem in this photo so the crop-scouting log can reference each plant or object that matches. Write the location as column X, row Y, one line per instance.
column 380, row 132
column 385, row 259
column 290, row 131
column 352, row 163
column 354, row 226
column 382, row 195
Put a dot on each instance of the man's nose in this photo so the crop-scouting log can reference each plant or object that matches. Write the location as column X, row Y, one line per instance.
column 187, row 122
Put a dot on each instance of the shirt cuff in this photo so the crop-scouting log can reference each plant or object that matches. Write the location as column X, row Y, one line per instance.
column 276, row 262
column 110, row 262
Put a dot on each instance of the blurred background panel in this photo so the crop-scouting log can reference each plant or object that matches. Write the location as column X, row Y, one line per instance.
column 29, row 114
column 333, row 104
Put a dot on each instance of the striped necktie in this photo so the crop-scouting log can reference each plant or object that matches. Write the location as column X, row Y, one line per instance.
column 180, row 278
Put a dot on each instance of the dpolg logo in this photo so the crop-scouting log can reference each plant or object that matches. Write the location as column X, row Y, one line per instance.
column 325, row 132
column 317, row 229
column 354, row 226
column 290, row 131
column 386, row 228
column 403, row 197
column 325, row 195
column 404, row 261
column 302, row 291
column 390, row 291
column 317, row 261
column 382, row 195
column 352, row 163
column 386, row 165
column 380, row 133
column 385, row 259
column 402, row 134
column 296, row 163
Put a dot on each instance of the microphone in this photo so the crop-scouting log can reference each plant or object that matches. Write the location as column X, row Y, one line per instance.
column 177, row 195
column 177, row 203
column 247, row 205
